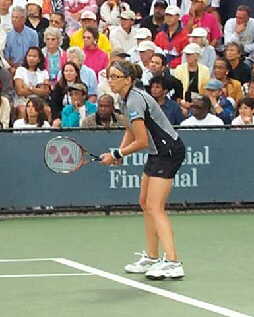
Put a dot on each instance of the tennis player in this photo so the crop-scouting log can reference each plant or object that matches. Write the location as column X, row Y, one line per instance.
column 148, row 128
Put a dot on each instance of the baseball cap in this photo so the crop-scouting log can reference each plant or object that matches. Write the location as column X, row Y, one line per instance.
column 143, row 33
column 173, row 10
column 162, row 3
column 88, row 15
column 198, row 32
column 128, row 15
column 214, row 84
column 119, row 52
column 36, row 2
column 192, row 48
column 146, row 45
column 78, row 86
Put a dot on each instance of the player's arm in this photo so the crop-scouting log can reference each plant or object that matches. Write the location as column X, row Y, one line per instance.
column 135, row 138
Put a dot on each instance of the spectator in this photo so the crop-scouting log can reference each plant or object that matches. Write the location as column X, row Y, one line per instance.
column 146, row 50
column 19, row 39
column 55, row 57
column 143, row 34
column 158, row 89
column 250, row 92
column 60, row 96
column 155, row 21
column 239, row 70
column 50, row 6
column 110, row 12
column 208, row 53
column 74, row 10
column 201, row 116
column 246, row 112
column 31, row 79
column 5, row 15
column 88, row 19
column 124, row 35
column 231, row 87
column 87, row 75
column 158, row 67
column 228, row 8
column 199, row 17
column 221, row 106
column 79, row 107
column 35, row 115
column 105, row 116
column 95, row 57
column 241, row 29
column 35, row 20
column 141, row 8
column 57, row 20
column 5, row 110
column 173, row 38
column 194, row 76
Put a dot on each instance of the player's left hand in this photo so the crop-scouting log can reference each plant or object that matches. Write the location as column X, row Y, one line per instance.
column 107, row 159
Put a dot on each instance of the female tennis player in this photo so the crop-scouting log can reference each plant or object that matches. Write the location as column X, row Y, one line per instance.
column 148, row 128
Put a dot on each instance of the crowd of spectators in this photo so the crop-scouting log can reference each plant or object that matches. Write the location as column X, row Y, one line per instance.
column 195, row 58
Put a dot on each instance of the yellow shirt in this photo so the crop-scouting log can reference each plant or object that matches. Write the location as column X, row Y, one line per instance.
column 77, row 39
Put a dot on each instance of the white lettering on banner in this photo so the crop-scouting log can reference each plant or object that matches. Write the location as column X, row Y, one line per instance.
column 120, row 178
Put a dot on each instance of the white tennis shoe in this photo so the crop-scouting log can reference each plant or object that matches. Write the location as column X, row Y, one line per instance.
column 165, row 269
column 142, row 265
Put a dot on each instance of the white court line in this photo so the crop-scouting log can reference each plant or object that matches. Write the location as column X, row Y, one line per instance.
column 26, row 260
column 151, row 289
column 44, row 275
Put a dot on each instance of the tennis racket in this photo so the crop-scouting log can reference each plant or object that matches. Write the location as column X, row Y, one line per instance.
column 64, row 155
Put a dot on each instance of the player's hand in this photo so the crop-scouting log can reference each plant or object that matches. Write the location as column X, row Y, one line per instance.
column 107, row 159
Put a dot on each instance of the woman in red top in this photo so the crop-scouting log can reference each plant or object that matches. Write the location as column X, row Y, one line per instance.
column 95, row 57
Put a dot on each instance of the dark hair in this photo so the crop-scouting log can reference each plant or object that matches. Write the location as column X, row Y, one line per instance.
column 62, row 82
column 225, row 61
column 94, row 31
column 38, row 104
column 127, row 68
column 107, row 96
column 41, row 64
column 162, row 57
column 245, row 8
column 60, row 14
column 158, row 80
column 248, row 101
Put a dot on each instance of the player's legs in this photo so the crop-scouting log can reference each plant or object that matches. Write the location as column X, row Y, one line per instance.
column 150, row 229
column 157, row 192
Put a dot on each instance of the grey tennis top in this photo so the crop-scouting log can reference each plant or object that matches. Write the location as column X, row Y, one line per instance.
column 138, row 104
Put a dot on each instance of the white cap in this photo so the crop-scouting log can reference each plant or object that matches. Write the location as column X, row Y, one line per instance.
column 36, row 2
column 143, row 33
column 87, row 14
column 173, row 10
column 146, row 45
column 128, row 15
column 192, row 48
column 198, row 32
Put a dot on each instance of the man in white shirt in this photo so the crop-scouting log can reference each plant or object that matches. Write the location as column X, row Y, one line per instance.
column 200, row 107
column 241, row 29
column 124, row 35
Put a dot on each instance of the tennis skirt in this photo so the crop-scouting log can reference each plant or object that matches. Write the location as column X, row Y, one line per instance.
column 166, row 166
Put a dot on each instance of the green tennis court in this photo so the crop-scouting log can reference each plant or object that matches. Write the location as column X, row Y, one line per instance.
column 72, row 266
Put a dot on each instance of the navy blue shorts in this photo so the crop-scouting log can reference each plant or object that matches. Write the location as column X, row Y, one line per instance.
column 166, row 166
